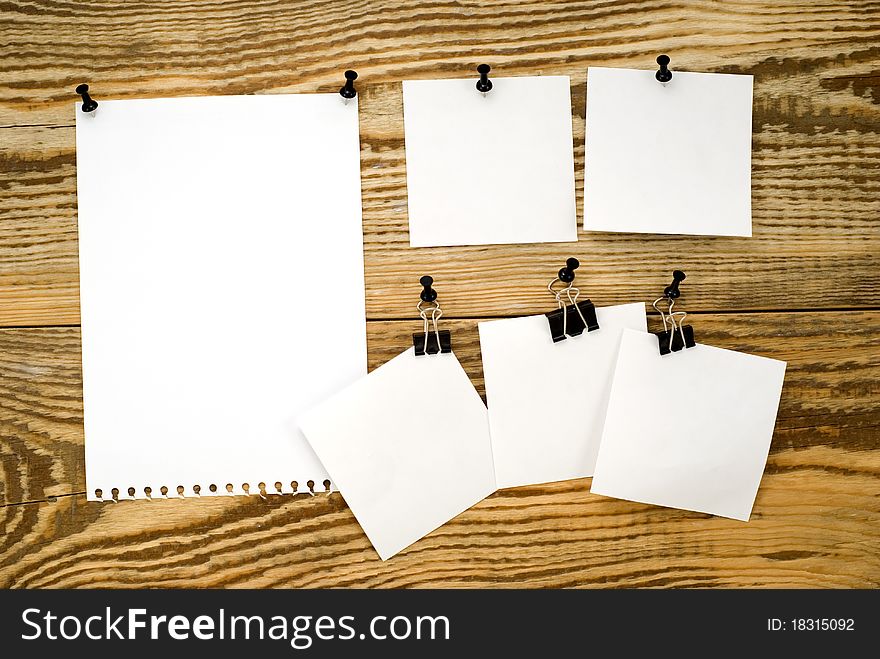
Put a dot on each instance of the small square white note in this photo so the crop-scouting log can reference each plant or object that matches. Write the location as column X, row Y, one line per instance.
column 547, row 400
column 407, row 446
column 488, row 169
column 673, row 158
column 690, row 429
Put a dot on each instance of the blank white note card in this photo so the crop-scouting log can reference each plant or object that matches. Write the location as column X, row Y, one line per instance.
column 207, row 227
column 407, row 446
column 690, row 429
column 547, row 400
column 488, row 169
column 668, row 158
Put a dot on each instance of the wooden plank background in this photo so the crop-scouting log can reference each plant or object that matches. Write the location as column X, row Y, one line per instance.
column 804, row 288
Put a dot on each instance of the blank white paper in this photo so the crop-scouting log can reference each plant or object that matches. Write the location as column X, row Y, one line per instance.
column 673, row 158
column 407, row 446
column 208, row 228
column 493, row 168
column 547, row 400
column 688, row 430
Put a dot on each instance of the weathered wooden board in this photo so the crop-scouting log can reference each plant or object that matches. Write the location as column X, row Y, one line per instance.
column 816, row 161
column 815, row 521
column 816, row 245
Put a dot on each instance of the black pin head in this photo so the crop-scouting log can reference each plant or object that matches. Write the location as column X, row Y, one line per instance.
column 348, row 90
column 428, row 294
column 664, row 74
column 89, row 104
column 484, row 84
column 566, row 274
column 672, row 291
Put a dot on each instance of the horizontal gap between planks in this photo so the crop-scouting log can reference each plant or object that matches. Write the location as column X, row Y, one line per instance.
column 29, row 327
column 52, row 499
column 11, row 126
column 447, row 317
column 651, row 312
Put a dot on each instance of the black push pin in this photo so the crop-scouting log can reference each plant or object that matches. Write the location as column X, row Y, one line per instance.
column 89, row 104
column 428, row 294
column 671, row 292
column 348, row 91
column 664, row 75
column 566, row 274
column 484, row 85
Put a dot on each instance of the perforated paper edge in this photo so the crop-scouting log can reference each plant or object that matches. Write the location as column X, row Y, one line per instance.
column 263, row 490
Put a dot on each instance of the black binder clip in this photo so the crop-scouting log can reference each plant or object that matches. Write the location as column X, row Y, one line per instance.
column 432, row 340
column 348, row 91
column 675, row 335
column 484, row 85
column 89, row 104
column 575, row 317
column 663, row 75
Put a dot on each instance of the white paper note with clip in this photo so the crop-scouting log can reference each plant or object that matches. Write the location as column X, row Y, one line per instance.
column 488, row 169
column 690, row 429
column 547, row 400
column 205, row 227
column 669, row 158
column 407, row 446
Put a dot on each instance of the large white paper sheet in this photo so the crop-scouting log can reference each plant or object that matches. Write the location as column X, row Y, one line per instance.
column 672, row 158
column 547, row 400
column 207, row 229
column 489, row 169
column 690, row 429
column 407, row 446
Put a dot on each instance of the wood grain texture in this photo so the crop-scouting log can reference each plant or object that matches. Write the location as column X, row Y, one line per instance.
column 816, row 245
column 816, row 147
column 815, row 521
